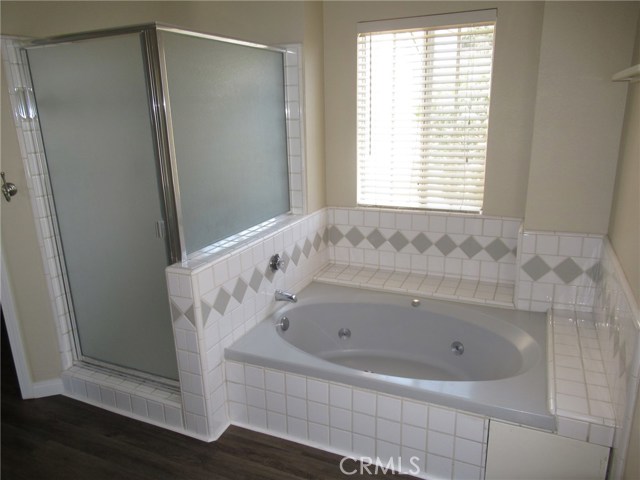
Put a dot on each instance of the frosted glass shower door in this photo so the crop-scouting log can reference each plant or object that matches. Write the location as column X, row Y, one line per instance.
column 94, row 113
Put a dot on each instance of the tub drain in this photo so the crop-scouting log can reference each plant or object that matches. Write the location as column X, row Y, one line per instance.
column 457, row 348
column 344, row 333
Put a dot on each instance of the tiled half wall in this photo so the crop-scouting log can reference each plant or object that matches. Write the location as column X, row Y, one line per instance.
column 214, row 304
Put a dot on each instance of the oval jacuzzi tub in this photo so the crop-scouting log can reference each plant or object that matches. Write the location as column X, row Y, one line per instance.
column 481, row 359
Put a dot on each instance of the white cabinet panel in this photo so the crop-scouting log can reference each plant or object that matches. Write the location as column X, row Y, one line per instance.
column 517, row 453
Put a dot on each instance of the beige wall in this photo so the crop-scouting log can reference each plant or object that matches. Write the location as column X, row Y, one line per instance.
column 513, row 87
column 313, row 56
column 624, row 227
column 579, row 113
column 264, row 22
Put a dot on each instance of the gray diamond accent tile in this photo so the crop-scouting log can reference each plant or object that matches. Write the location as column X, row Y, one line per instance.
column 470, row 247
column 568, row 270
column 335, row 235
column 445, row 245
column 398, row 241
column 222, row 300
column 354, row 236
column 317, row 241
column 497, row 249
column 176, row 313
column 240, row 290
column 206, row 309
column 595, row 272
column 285, row 258
column 421, row 242
column 376, row 238
column 190, row 315
column 295, row 255
column 306, row 249
column 536, row 268
column 256, row 280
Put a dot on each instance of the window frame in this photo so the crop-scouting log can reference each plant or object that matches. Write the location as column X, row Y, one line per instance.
column 463, row 203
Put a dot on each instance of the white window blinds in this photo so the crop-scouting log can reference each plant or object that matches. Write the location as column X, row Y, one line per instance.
column 423, row 110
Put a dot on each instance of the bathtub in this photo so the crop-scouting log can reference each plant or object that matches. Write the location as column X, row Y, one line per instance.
column 484, row 360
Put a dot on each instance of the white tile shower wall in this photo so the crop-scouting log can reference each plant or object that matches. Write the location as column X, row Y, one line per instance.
column 618, row 328
column 557, row 269
column 295, row 127
column 32, row 152
column 214, row 304
column 444, row 443
column 160, row 407
column 438, row 244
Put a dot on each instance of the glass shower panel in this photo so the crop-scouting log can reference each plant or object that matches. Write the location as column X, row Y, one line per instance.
column 229, row 130
column 94, row 114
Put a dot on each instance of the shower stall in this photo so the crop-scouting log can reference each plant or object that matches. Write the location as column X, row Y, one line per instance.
column 158, row 142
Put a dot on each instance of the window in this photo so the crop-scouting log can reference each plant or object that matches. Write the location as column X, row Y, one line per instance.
column 423, row 110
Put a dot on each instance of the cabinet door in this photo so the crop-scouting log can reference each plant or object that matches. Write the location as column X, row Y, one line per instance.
column 517, row 453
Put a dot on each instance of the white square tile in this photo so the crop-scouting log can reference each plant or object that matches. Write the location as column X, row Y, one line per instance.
column 601, row 435
column 296, row 385
column 276, row 402
column 468, row 451
column 470, row 427
column 575, row 429
column 467, row 472
column 389, row 408
column 414, row 413
column 340, row 418
column 274, row 381
column 439, row 467
column 257, row 416
column 256, row 397
column 108, row 396
column 123, row 401
column 277, row 422
column 442, row 420
column 319, row 433
column 364, row 424
column 340, row 396
column 364, row 446
column 254, row 376
column 440, row 444
column 238, row 412
column 234, row 372
column 318, row 413
column 340, row 439
column 414, row 437
column 388, row 430
column 139, row 406
column 296, row 407
column 387, row 452
column 318, row 391
column 156, row 412
column 297, row 427
column 236, row 392
column 173, row 416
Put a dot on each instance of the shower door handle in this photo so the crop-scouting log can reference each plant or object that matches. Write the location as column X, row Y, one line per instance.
column 160, row 229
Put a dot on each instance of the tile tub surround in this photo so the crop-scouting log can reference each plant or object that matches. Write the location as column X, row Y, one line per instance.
column 617, row 320
column 557, row 269
column 578, row 392
column 464, row 246
column 356, row 422
column 214, row 304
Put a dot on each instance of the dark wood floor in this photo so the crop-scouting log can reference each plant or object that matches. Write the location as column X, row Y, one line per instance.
column 60, row 438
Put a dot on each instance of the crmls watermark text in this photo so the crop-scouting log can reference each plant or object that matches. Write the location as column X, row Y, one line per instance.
column 371, row 466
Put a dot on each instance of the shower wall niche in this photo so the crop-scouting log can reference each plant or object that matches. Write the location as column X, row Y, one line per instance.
column 158, row 142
